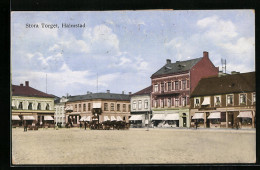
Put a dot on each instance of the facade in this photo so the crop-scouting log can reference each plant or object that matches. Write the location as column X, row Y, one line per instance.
column 225, row 102
column 60, row 117
column 171, row 88
column 113, row 106
column 141, row 107
column 31, row 105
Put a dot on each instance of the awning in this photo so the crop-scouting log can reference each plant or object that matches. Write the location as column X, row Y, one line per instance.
column 48, row 118
column 15, row 117
column 198, row 116
column 172, row 117
column 96, row 105
column 214, row 115
column 206, row 101
column 113, row 118
column 136, row 117
column 106, row 118
column 85, row 118
column 245, row 114
column 69, row 108
column 158, row 117
column 82, row 118
column 118, row 118
column 28, row 118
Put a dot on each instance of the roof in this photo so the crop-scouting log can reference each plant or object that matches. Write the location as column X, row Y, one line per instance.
column 106, row 96
column 144, row 91
column 177, row 67
column 236, row 83
column 29, row 92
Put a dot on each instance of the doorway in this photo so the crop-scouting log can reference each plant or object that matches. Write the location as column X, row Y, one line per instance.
column 184, row 120
column 207, row 120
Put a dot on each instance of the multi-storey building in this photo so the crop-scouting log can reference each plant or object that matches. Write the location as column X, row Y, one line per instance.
column 113, row 107
column 140, row 107
column 59, row 107
column 31, row 105
column 172, row 85
column 226, row 101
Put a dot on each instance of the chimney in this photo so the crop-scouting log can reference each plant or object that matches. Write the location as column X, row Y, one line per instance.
column 21, row 84
column 130, row 93
column 205, row 54
column 168, row 61
column 27, row 83
column 123, row 92
column 108, row 91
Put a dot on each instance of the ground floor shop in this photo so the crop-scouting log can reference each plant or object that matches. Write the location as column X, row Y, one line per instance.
column 171, row 118
column 228, row 118
column 140, row 119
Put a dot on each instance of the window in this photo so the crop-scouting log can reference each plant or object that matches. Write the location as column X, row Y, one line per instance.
column 183, row 84
column 176, row 85
column 162, row 103
column 124, row 107
column 84, row 107
column 105, row 106
column 134, row 105
column 112, row 107
column 173, row 101
column 169, row 102
column 172, row 85
column 39, row 106
column 230, row 99
column 118, row 107
column 180, row 85
column 89, row 107
column 30, row 106
column 253, row 98
column 47, row 107
column 188, row 84
column 155, row 103
column 184, row 103
column 217, row 100
column 196, row 101
column 139, row 104
column 176, row 102
column 76, row 107
column 79, row 107
column 146, row 104
column 242, row 98
column 156, row 88
column 129, row 108
column 162, row 87
column 20, row 105
column 169, row 86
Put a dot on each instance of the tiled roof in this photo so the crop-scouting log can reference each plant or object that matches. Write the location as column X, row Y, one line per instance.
column 146, row 90
column 179, row 66
column 106, row 96
column 236, row 83
column 29, row 92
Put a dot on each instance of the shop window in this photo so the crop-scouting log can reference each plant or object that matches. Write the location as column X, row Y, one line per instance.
column 246, row 121
column 223, row 117
column 215, row 121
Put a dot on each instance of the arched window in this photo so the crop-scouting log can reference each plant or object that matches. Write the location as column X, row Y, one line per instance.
column 20, row 105
column 39, row 106
column 47, row 107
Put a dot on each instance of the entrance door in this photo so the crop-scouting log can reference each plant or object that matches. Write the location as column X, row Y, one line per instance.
column 184, row 122
column 207, row 120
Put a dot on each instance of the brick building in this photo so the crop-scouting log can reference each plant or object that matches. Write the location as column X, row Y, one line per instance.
column 172, row 85
column 225, row 102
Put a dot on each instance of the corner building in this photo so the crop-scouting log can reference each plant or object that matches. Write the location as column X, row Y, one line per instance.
column 172, row 85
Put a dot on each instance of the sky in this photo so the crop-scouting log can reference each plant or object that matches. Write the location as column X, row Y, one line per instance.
column 120, row 50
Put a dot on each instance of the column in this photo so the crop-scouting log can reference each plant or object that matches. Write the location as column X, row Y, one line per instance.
column 226, row 119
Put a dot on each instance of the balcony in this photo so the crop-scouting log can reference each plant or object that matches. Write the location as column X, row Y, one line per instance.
column 166, row 93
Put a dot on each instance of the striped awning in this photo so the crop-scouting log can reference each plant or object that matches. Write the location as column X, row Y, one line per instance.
column 113, row 118
column 85, row 118
column 245, row 114
column 136, row 117
column 15, row 117
column 106, row 118
column 28, row 118
column 214, row 115
column 48, row 118
column 158, row 117
column 198, row 116
column 118, row 118
column 172, row 117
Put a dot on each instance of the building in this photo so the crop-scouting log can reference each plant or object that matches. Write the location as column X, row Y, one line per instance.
column 60, row 117
column 31, row 105
column 172, row 85
column 225, row 101
column 113, row 107
column 141, row 107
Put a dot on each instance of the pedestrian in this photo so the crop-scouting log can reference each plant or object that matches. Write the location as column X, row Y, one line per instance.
column 25, row 126
column 85, row 124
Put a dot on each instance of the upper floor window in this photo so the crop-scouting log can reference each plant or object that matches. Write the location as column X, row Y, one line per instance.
column 140, row 104
column 254, row 98
column 39, row 106
column 156, row 88
column 184, row 102
column 89, row 106
column 230, row 99
column 76, row 107
column 30, row 106
column 172, row 85
column 169, row 86
column 180, row 85
column 112, row 107
column 162, row 87
column 188, row 84
column 176, row 85
column 105, row 106
column 242, row 98
column 155, row 103
column 183, row 84
column 20, row 105
column 162, row 103
column 84, row 107
column 176, row 101
column 79, row 107
column 124, row 107
column 146, row 104
column 118, row 107
column 217, row 100
column 196, row 101
column 47, row 107
column 134, row 105
column 129, row 108
column 169, row 102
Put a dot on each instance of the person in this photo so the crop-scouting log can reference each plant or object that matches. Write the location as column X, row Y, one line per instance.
column 85, row 124
column 196, row 124
column 25, row 126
